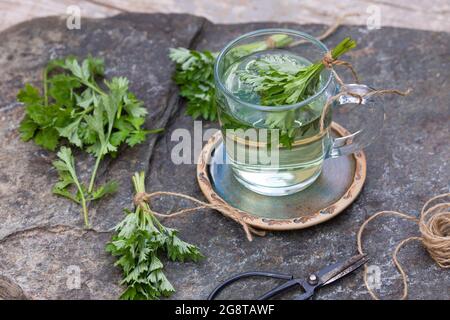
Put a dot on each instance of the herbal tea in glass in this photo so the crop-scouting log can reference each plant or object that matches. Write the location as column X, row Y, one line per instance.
column 270, row 101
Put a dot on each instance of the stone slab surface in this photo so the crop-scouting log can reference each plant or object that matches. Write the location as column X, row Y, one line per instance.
column 41, row 236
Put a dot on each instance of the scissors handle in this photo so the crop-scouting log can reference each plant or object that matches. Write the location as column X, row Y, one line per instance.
column 305, row 295
column 308, row 290
column 239, row 276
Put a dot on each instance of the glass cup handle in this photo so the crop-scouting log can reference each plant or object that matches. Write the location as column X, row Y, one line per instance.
column 373, row 118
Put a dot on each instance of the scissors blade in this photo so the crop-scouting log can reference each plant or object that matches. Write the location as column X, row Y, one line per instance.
column 340, row 269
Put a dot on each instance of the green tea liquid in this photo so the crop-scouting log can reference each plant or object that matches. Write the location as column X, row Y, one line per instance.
column 298, row 166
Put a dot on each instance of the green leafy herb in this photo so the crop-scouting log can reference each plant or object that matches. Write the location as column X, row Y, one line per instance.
column 75, row 109
column 195, row 77
column 139, row 241
column 194, row 73
column 67, row 177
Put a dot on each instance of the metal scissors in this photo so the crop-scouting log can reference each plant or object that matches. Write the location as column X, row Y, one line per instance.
column 309, row 285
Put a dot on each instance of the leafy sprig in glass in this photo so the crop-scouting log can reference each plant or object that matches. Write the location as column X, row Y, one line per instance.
column 265, row 105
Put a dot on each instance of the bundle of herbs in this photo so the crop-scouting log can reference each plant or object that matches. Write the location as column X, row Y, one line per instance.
column 280, row 82
column 140, row 239
column 75, row 110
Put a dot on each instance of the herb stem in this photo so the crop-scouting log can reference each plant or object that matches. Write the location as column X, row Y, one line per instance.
column 139, row 186
column 45, row 85
column 93, row 87
column 99, row 158
column 85, row 210
column 94, row 172
column 85, row 111
column 83, row 202
column 81, row 191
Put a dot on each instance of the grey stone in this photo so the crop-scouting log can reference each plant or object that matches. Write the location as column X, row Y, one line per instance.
column 41, row 236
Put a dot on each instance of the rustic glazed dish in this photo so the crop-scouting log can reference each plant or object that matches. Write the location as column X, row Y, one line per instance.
column 337, row 187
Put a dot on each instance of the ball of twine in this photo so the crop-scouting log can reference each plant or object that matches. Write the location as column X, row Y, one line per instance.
column 434, row 227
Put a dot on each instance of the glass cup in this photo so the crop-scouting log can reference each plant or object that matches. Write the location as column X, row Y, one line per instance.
column 280, row 150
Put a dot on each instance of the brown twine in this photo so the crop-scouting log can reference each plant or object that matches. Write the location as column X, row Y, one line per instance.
column 360, row 97
column 142, row 200
column 434, row 227
column 328, row 61
column 271, row 43
column 332, row 29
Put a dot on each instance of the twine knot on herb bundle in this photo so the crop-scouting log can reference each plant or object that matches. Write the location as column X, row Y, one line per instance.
column 140, row 198
column 328, row 60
